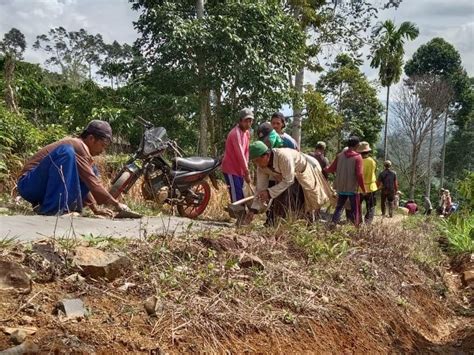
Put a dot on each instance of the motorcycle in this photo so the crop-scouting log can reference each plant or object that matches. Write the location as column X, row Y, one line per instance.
column 178, row 181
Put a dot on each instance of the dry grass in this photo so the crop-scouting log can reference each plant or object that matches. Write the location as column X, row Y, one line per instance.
column 311, row 275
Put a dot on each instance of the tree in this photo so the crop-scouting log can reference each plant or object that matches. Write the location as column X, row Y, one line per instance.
column 338, row 26
column 12, row 47
column 241, row 64
column 439, row 58
column 74, row 52
column 115, row 64
column 351, row 96
column 415, row 121
column 323, row 122
column 387, row 56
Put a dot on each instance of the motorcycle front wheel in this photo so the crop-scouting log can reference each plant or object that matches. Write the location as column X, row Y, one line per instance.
column 196, row 200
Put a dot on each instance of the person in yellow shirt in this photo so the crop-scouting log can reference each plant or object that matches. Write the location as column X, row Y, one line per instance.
column 369, row 167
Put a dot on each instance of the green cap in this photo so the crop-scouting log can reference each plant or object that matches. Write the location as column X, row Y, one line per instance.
column 257, row 149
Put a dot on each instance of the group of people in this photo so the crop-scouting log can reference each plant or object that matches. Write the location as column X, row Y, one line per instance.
column 62, row 177
column 289, row 181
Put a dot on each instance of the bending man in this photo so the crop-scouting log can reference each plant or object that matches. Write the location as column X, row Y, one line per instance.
column 286, row 166
column 62, row 178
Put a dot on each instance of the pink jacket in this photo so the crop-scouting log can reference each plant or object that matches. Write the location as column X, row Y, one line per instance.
column 236, row 154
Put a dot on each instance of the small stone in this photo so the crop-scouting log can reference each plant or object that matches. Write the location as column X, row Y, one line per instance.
column 47, row 251
column 96, row 263
column 14, row 277
column 28, row 347
column 325, row 299
column 27, row 319
column 467, row 278
column 248, row 261
column 72, row 308
column 126, row 286
column 26, row 330
column 153, row 305
column 74, row 278
column 18, row 336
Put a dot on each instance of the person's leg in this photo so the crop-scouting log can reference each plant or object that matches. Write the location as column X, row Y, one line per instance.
column 390, row 199
column 271, row 210
column 54, row 184
column 383, row 200
column 370, row 200
column 341, row 200
column 235, row 184
column 355, row 209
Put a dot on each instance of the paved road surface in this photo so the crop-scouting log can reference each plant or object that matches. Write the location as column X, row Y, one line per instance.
column 27, row 228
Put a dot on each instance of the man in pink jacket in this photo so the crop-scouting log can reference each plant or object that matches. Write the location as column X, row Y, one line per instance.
column 236, row 156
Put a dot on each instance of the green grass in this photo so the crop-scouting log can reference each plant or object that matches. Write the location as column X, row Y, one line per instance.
column 459, row 230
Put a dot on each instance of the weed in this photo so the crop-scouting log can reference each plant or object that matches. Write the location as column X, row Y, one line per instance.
column 459, row 230
column 7, row 242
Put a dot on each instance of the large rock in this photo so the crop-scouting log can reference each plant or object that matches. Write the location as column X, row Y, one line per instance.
column 96, row 263
column 13, row 277
column 467, row 278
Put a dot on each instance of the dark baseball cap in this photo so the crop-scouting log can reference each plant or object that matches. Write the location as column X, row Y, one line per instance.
column 264, row 130
column 100, row 129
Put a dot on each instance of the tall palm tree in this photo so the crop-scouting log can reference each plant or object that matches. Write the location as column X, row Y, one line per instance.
column 387, row 56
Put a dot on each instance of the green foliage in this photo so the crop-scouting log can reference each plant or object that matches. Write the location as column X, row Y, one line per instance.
column 459, row 229
column 350, row 94
column 388, row 51
column 332, row 246
column 13, row 43
column 322, row 123
column 19, row 138
column 466, row 191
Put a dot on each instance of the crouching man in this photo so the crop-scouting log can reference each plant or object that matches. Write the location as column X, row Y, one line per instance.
column 299, row 187
column 62, row 178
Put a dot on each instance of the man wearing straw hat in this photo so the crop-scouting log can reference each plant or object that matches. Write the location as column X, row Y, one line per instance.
column 370, row 181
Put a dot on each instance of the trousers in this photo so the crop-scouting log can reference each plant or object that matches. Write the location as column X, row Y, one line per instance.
column 54, row 184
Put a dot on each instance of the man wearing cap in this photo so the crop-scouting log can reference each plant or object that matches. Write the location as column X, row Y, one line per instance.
column 62, row 178
column 272, row 139
column 319, row 155
column 236, row 156
column 348, row 168
column 387, row 179
column 287, row 166
column 278, row 123
column 369, row 166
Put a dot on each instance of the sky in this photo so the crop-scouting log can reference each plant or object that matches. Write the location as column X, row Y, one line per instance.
column 452, row 20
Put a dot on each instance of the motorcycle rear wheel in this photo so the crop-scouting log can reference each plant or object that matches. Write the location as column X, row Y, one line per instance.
column 191, row 209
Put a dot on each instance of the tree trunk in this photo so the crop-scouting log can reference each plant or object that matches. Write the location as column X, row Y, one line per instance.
column 297, row 106
column 428, row 174
column 385, row 141
column 9, row 77
column 412, row 182
column 203, row 94
column 443, row 152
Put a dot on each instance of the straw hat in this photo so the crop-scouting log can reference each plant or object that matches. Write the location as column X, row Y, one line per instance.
column 364, row 147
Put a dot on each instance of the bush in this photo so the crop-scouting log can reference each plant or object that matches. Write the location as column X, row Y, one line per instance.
column 20, row 138
column 459, row 230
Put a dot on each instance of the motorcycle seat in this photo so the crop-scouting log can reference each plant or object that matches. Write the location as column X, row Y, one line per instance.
column 194, row 163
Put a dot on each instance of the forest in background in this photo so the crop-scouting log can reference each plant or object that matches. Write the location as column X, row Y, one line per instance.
column 196, row 64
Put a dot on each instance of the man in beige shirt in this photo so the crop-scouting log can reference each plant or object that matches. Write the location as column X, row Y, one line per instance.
column 291, row 169
column 62, row 178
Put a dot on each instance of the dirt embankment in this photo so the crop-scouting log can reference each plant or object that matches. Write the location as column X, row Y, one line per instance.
column 290, row 290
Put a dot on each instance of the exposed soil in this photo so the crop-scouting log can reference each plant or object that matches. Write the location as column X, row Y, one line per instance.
column 377, row 289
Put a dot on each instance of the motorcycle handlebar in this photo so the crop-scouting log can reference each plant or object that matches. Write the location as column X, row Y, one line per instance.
column 144, row 122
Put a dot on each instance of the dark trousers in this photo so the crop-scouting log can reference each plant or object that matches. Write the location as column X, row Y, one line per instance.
column 354, row 214
column 54, row 184
column 288, row 203
column 370, row 202
column 387, row 197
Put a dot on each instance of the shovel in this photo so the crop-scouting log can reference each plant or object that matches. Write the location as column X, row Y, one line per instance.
column 237, row 209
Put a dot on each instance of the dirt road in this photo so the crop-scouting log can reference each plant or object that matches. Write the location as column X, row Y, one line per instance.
column 28, row 228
